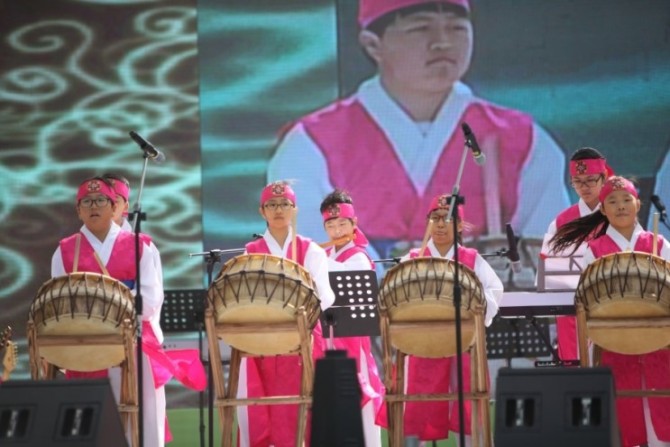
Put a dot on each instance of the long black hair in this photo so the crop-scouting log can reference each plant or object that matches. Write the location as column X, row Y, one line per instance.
column 579, row 231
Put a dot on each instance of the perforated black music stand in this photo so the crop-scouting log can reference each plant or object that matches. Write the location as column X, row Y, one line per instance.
column 508, row 338
column 354, row 313
column 183, row 310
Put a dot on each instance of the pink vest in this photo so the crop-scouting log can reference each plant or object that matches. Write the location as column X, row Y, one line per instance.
column 605, row 245
column 121, row 264
column 349, row 252
column 466, row 256
column 568, row 215
column 260, row 246
column 361, row 160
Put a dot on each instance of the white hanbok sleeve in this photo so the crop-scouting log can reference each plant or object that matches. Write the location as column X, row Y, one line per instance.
column 661, row 189
column 357, row 262
column 152, row 292
column 57, row 267
column 665, row 249
column 551, row 232
column 316, row 262
column 492, row 285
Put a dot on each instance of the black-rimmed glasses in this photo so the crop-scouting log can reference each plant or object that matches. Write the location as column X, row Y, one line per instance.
column 99, row 202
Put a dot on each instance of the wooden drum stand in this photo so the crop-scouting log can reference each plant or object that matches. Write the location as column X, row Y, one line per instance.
column 41, row 369
column 395, row 395
column 226, row 397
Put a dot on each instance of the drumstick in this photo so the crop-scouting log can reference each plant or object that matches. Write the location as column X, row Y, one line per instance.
column 102, row 266
column 426, row 236
column 77, row 244
column 655, row 240
column 294, row 225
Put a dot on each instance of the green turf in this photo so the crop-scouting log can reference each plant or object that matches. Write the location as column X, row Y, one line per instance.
column 184, row 424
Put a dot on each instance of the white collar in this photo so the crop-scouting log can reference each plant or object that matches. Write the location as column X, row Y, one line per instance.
column 417, row 152
column 584, row 209
column 93, row 239
column 623, row 243
column 273, row 245
column 436, row 253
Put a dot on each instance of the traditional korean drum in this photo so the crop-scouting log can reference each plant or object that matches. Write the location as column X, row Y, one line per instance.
column 421, row 290
column 262, row 290
column 80, row 305
column 630, row 286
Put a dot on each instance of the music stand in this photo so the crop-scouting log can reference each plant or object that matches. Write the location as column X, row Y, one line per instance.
column 354, row 312
column 508, row 338
column 183, row 310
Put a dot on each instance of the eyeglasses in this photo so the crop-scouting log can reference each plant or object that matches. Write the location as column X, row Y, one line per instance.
column 285, row 206
column 99, row 202
column 436, row 218
column 588, row 182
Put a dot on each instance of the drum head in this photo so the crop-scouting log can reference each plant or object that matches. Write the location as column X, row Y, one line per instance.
column 626, row 286
column 421, row 290
column 259, row 289
column 77, row 306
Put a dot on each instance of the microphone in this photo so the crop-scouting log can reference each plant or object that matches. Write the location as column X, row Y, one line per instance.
column 471, row 142
column 660, row 207
column 149, row 150
column 256, row 235
column 512, row 253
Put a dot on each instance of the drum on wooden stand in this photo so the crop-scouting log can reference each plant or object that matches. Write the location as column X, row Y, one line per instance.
column 626, row 301
column 261, row 305
column 258, row 289
column 421, row 290
column 77, row 306
column 417, row 317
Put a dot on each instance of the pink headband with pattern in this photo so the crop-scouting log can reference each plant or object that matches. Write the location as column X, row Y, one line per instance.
column 93, row 186
column 590, row 166
column 120, row 188
column 617, row 183
column 278, row 190
column 345, row 210
column 442, row 202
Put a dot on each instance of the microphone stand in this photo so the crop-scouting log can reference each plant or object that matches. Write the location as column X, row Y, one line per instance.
column 138, row 217
column 211, row 257
column 453, row 211
column 664, row 220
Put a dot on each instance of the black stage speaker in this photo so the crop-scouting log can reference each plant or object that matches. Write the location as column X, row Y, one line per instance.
column 336, row 405
column 556, row 407
column 59, row 413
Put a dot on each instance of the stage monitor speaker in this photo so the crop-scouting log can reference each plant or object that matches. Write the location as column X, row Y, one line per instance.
column 556, row 407
column 47, row 413
column 336, row 404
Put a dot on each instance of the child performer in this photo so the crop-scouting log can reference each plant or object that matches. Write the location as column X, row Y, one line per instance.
column 182, row 364
column 264, row 425
column 588, row 171
column 433, row 420
column 616, row 229
column 348, row 253
column 121, row 187
column 102, row 247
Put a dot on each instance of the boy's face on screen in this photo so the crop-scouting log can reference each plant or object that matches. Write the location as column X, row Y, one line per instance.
column 428, row 50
